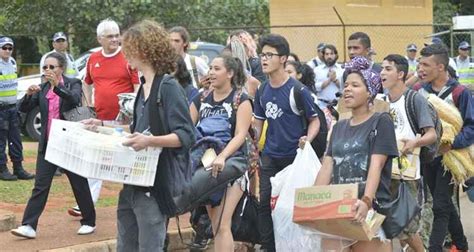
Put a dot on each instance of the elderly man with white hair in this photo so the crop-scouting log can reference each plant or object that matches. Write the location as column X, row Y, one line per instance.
column 110, row 73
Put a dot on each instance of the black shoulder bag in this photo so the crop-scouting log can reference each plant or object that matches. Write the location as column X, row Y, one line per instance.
column 399, row 212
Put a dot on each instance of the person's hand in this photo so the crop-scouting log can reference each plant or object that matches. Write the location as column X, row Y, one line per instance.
column 217, row 165
column 33, row 89
column 332, row 75
column 204, row 82
column 408, row 146
column 361, row 210
column 137, row 141
column 52, row 78
column 302, row 141
column 91, row 124
column 444, row 148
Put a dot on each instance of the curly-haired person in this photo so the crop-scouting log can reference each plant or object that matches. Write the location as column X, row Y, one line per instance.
column 142, row 212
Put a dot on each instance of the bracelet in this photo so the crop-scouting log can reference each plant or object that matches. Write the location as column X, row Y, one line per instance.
column 367, row 201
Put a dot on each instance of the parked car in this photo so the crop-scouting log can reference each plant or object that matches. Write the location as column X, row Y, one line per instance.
column 31, row 121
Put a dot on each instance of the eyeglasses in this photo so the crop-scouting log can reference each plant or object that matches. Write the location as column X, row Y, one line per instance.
column 111, row 36
column 7, row 48
column 60, row 40
column 268, row 55
column 50, row 67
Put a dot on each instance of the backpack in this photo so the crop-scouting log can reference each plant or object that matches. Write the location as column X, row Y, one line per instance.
column 251, row 142
column 429, row 152
column 319, row 143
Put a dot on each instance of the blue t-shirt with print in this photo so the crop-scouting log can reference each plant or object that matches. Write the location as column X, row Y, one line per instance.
column 285, row 126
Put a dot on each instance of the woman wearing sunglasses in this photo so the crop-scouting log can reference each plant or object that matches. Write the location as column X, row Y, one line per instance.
column 57, row 95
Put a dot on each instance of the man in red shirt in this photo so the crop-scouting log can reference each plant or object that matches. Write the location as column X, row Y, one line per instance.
column 110, row 73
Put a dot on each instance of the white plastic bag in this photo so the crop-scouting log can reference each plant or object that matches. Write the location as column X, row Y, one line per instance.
column 302, row 173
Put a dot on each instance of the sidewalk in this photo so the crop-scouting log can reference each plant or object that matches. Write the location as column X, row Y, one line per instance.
column 58, row 230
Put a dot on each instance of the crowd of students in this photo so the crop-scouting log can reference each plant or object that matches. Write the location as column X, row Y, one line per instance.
column 254, row 84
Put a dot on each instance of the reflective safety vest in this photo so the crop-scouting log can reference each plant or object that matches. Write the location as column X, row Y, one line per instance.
column 8, row 81
column 465, row 71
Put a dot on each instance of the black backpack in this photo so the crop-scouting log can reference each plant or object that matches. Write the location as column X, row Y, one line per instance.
column 429, row 152
column 319, row 143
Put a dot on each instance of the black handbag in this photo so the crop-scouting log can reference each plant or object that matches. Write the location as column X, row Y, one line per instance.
column 203, row 184
column 399, row 212
column 79, row 113
column 245, row 220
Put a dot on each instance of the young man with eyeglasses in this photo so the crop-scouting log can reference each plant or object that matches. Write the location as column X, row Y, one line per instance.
column 111, row 74
column 275, row 103
column 60, row 45
column 9, row 120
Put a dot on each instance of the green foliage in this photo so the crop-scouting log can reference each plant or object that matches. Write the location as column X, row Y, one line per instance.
column 443, row 11
column 40, row 19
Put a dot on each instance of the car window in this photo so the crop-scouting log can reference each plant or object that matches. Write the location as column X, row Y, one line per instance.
column 206, row 54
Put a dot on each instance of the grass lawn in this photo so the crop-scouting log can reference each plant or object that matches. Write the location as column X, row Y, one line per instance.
column 60, row 195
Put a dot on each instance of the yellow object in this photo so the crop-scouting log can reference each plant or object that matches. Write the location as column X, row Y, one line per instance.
column 449, row 133
column 446, row 112
column 455, row 167
column 404, row 162
column 463, row 156
column 263, row 136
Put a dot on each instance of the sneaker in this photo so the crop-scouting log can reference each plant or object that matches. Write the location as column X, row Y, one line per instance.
column 74, row 211
column 199, row 244
column 25, row 231
column 85, row 230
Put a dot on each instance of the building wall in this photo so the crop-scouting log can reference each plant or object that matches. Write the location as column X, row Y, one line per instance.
column 322, row 24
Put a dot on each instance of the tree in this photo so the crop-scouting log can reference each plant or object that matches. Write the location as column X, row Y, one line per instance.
column 39, row 20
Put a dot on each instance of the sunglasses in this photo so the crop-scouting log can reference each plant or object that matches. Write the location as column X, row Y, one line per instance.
column 7, row 48
column 50, row 67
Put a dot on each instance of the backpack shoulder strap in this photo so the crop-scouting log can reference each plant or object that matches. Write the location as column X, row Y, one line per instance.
column 447, row 92
column 260, row 90
column 194, row 68
column 297, row 89
column 410, row 110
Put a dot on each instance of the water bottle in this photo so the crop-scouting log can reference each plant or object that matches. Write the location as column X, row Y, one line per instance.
column 118, row 132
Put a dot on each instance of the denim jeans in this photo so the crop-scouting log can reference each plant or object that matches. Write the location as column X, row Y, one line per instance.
column 446, row 217
column 270, row 167
column 141, row 225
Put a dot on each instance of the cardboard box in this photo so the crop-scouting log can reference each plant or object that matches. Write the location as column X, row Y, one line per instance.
column 410, row 172
column 328, row 209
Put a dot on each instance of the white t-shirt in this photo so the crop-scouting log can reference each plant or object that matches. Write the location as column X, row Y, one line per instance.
column 201, row 67
column 403, row 129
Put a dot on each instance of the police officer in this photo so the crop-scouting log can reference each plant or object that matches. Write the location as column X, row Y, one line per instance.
column 411, row 57
column 9, row 119
column 60, row 44
column 465, row 65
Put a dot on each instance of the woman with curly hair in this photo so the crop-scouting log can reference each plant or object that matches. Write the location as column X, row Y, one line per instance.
column 352, row 158
column 142, row 211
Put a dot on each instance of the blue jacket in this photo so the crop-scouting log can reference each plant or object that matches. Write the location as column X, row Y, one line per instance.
column 462, row 99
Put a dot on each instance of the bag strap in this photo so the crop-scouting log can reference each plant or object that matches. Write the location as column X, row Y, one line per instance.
column 447, row 92
column 297, row 90
column 410, row 110
column 161, row 126
column 260, row 90
column 194, row 69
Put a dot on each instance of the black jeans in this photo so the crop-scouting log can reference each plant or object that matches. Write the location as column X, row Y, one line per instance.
column 270, row 167
column 44, row 176
column 446, row 217
column 10, row 131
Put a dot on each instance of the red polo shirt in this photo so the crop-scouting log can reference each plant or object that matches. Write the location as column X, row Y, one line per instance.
column 111, row 75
